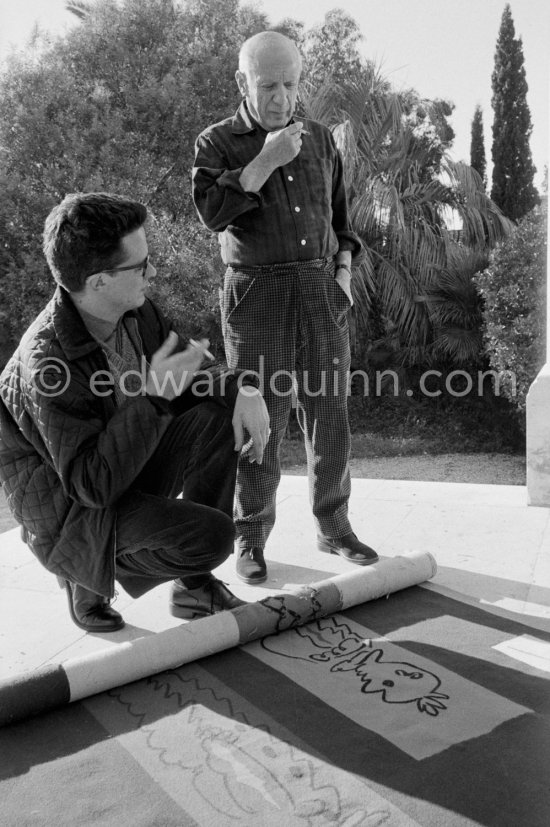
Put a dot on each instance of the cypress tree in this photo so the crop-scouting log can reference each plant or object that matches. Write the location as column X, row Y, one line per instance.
column 513, row 170
column 477, row 145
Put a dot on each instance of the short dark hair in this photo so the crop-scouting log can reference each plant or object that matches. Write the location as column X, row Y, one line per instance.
column 82, row 235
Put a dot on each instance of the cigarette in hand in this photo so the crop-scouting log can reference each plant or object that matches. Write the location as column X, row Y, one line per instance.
column 304, row 132
column 205, row 351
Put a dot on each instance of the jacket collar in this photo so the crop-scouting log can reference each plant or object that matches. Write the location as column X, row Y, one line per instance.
column 71, row 332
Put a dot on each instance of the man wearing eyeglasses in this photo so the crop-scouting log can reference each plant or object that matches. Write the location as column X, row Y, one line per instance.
column 102, row 428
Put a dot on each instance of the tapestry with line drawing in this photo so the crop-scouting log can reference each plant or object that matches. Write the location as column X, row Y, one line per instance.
column 411, row 710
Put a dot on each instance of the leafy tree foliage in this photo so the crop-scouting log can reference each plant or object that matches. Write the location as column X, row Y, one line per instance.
column 477, row 146
column 513, row 170
column 331, row 50
column 513, row 287
column 294, row 29
column 428, row 118
column 116, row 105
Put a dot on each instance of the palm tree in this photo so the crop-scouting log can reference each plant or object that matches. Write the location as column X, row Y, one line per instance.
column 414, row 208
column 455, row 309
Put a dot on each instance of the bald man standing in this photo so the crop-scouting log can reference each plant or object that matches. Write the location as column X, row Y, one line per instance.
column 272, row 187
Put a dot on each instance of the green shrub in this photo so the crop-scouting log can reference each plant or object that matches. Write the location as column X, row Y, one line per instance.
column 189, row 275
column 513, row 288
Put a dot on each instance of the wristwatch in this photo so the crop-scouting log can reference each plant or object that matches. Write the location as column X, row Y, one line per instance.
column 344, row 267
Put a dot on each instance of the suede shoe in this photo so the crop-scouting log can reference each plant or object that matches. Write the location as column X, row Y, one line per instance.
column 208, row 599
column 348, row 547
column 251, row 567
column 91, row 611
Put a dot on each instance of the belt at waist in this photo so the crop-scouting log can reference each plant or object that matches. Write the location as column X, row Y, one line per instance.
column 285, row 267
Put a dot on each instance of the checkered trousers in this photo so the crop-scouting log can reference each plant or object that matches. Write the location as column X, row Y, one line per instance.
column 288, row 322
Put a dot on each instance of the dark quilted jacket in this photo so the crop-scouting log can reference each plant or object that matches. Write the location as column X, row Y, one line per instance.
column 66, row 458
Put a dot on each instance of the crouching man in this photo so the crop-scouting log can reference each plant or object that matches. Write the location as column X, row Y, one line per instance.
column 103, row 426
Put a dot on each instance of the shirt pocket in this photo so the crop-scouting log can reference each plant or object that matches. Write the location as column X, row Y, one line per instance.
column 317, row 174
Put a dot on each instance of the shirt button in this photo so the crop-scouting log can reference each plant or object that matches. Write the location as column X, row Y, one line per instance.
column 296, row 209
column 290, row 178
column 302, row 242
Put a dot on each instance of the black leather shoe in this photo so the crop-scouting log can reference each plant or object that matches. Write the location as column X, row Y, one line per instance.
column 91, row 611
column 251, row 567
column 348, row 547
column 213, row 597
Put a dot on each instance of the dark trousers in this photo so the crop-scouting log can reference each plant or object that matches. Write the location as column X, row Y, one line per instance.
column 289, row 324
column 159, row 537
